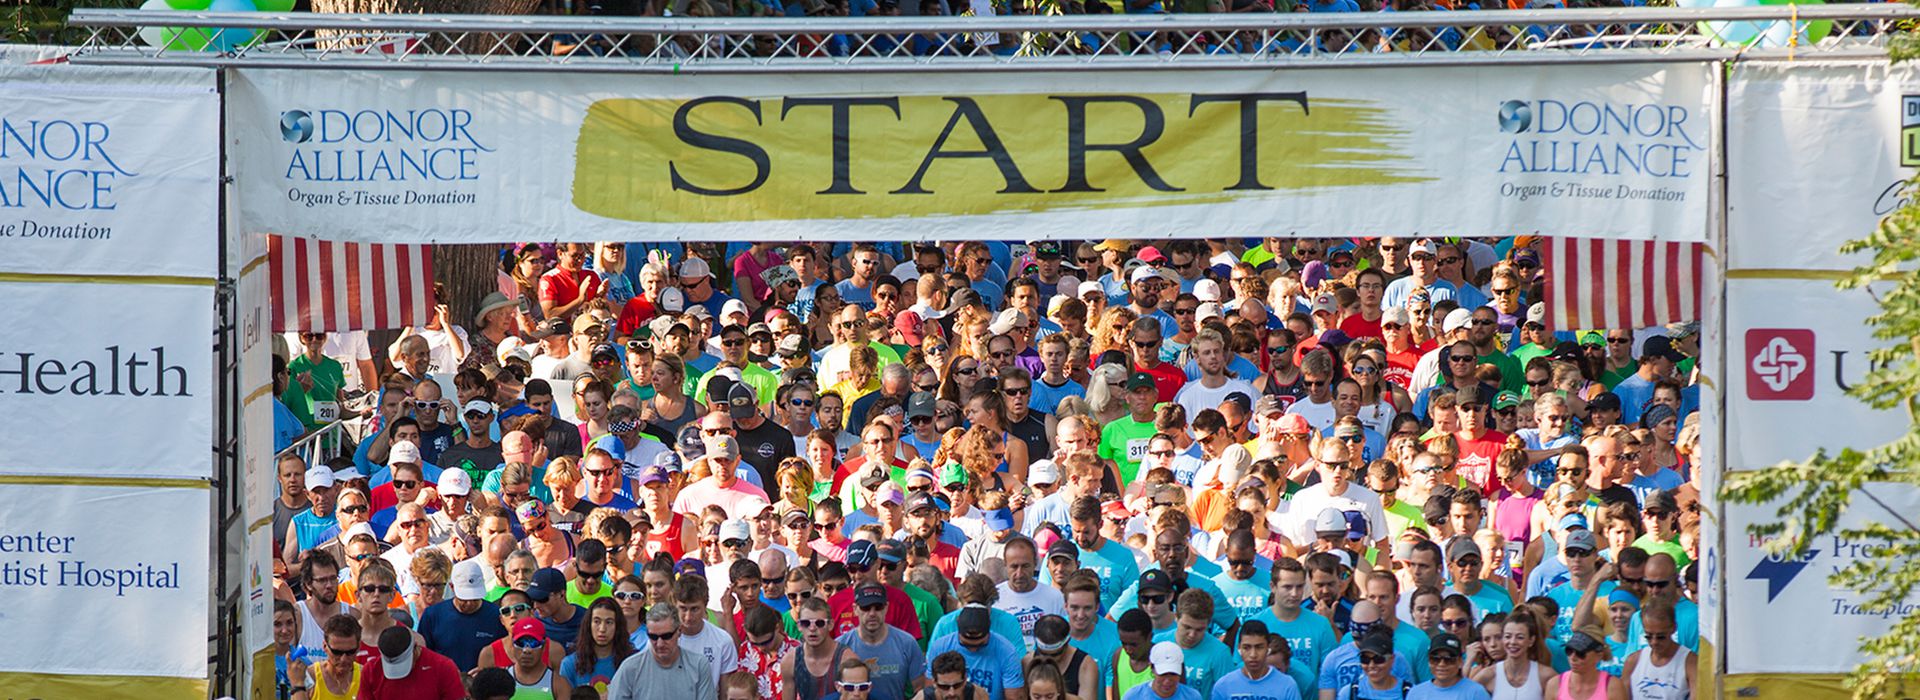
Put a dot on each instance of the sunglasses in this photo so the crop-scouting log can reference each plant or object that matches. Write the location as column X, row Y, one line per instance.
column 663, row 636
column 516, row 609
column 1462, row 622
column 876, row 607
column 406, row 483
column 377, row 590
column 353, row 509
column 1371, row 659
column 629, row 595
column 1152, row 599
column 529, row 643
column 342, row 652
column 856, row 687
column 800, row 403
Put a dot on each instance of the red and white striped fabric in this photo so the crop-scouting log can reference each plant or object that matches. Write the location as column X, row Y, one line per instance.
column 1594, row 283
column 329, row 286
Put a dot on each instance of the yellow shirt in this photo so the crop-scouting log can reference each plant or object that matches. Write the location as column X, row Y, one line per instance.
column 319, row 685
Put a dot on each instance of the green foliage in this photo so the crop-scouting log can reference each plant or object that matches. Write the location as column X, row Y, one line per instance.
column 1811, row 496
column 45, row 21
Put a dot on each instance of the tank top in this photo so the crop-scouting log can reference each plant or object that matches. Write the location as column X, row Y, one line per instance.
column 807, row 686
column 1072, row 671
column 1669, row 682
column 541, row 689
column 1599, row 689
column 318, row 686
column 1532, row 690
column 668, row 540
column 1125, row 678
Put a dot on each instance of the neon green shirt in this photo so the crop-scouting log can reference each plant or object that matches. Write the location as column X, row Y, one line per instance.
column 1124, row 442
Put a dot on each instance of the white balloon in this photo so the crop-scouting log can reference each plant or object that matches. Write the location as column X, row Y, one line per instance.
column 153, row 36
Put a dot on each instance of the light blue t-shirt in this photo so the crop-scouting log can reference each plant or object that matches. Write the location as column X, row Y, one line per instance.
column 1634, row 393
column 854, row 294
column 1568, row 598
column 893, row 664
column 1000, row 622
column 1237, row 367
column 1462, row 689
column 1310, row 636
column 1342, row 668
column 1223, row 615
column 1368, row 692
column 1102, row 644
column 1207, row 662
column 1412, row 644
column 1398, row 291
column 1645, row 486
column 1272, row 686
column 1046, row 398
column 1686, row 618
column 1247, row 598
column 995, row 666
column 1144, row 691
column 1117, row 569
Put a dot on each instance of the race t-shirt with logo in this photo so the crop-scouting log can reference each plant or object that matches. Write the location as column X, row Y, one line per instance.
column 1247, row 597
column 1400, row 366
column 1475, row 463
column 475, row 461
column 1341, row 669
column 1206, row 662
column 1310, row 635
column 1030, row 606
column 764, row 447
column 994, row 666
column 1124, row 442
column 894, row 663
column 1275, row 685
column 1167, row 379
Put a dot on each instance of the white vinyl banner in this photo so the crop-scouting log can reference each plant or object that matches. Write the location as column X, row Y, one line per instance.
column 103, row 581
column 1607, row 151
column 107, row 380
column 1817, row 155
column 109, row 170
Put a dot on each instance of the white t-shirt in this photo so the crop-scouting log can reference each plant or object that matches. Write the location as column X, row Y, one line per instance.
column 1194, row 396
column 712, row 644
column 1318, row 415
column 440, row 349
column 1312, row 500
column 1030, row 606
column 1379, row 416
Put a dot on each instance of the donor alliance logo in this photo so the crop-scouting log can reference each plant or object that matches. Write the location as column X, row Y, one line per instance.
column 377, row 145
column 1515, row 117
column 1599, row 138
column 1780, row 364
column 1910, row 131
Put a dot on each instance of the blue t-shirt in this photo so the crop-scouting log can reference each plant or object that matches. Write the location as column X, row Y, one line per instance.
column 311, row 530
column 1463, row 689
column 1645, row 486
column 1223, row 615
column 1247, row 598
column 287, row 427
column 1117, row 569
column 1144, row 691
column 1634, row 393
column 1045, row 398
column 1000, row 622
column 1206, row 662
column 1102, row 644
column 1541, row 473
column 895, row 662
column 1410, row 643
column 1341, row 668
column 460, row 636
column 1273, row 686
column 565, row 632
column 1686, row 618
column 995, row 666
column 597, row 677
column 1368, row 692
column 1237, row 367
column 855, row 294
column 1398, row 291
column 1568, row 597
column 1310, row 635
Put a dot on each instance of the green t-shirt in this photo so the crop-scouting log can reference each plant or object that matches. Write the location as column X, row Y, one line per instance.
column 1648, row 544
column 1525, row 354
column 1402, row 515
column 584, row 600
column 1124, row 442
column 1512, row 378
column 926, row 606
column 1257, row 256
column 328, row 378
column 764, row 384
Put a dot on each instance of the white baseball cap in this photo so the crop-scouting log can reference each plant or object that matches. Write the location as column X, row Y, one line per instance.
column 469, row 581
column 319, row 478
column 1456, row 320
column 1043, row 472
column 1206, row 290
column 1166, row 658
column 1089, row 287
column 455, row 482
column 733, row 306
column 477, row 406
column 403, row 453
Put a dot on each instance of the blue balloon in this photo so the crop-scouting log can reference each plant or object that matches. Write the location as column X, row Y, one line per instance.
column 227, row 39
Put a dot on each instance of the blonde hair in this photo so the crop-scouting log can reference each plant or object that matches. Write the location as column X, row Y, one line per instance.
column 562, row 473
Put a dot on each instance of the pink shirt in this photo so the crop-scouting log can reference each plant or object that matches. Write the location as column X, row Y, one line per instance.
column 708, row 491
column 746, row 273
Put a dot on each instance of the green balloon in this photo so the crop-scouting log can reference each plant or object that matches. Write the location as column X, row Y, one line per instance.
column 185, row 38
column 1812, row 31
column 273, row 5
column 189, row 5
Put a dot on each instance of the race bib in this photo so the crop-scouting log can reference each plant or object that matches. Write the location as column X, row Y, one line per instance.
column 326, row 411
column 1137, row 449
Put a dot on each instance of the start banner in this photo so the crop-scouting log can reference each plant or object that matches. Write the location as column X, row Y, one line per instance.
column 1619, row 151
column 1795, row 343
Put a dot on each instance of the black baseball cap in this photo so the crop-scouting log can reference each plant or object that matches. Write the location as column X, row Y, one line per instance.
column 1155, row 580
column 1445, row 642
column 1049, row 250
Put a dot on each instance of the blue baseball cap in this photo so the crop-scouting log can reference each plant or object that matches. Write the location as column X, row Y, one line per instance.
column 861, row 553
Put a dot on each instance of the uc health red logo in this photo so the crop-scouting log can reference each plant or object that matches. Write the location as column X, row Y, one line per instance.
column 1780, row 364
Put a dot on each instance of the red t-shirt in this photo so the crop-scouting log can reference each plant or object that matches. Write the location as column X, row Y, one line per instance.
column 434, row 677
column 1475, row 463
column 946, row 558
column 561, row 287
column 899, row 612
column 1167, row 379
column 635, row 313
column 1356, row 327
